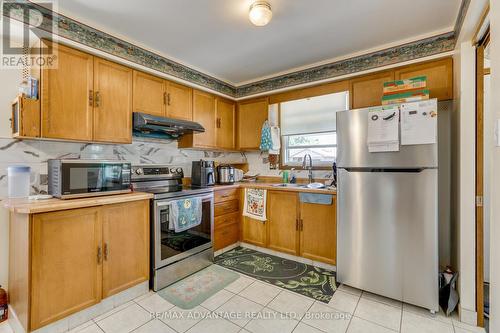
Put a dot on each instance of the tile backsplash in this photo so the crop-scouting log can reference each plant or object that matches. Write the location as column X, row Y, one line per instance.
column 35, row 153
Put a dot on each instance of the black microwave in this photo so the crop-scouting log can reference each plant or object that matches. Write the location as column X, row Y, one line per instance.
column 86, row 178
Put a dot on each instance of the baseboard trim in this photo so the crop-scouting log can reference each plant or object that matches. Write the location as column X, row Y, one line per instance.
column 468, row 317
column 76, row 319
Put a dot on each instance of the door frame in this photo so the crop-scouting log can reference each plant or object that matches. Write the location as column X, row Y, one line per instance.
column 479, row 177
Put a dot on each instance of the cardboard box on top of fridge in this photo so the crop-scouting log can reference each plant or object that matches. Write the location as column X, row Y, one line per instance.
column 400, row 86
column 406, row 97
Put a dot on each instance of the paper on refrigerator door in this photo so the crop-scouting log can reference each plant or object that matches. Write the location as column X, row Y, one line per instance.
column 383, row 129
column 419, row 123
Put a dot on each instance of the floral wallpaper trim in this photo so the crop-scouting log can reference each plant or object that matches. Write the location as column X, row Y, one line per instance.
column 86, row 35
column 414, row 50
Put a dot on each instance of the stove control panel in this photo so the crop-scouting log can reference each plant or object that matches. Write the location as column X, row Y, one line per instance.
column 156, row 171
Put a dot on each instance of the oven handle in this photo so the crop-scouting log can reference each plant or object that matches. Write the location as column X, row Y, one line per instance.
column 167, row 202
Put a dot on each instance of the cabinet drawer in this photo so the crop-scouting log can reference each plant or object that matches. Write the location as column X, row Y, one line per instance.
column 226, row 195
column 226, row 207
column 226, row 219
column 225, row 236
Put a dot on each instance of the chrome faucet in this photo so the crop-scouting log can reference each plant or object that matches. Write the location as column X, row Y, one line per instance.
column 308, row 168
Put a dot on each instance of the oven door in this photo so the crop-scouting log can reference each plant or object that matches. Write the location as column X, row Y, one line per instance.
column 81, row 178
column 170, row 246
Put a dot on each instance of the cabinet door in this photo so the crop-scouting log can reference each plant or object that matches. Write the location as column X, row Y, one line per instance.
column 439, row 77
column 225, row 124
column 66, row 93
column 149, row 94
column 179, row 101
column 283, row 221
column 368, row 90
column 66, row 274
column 125, row 246
column 318, row 237
column 112, row 102
column 204, row 113
column 252, row 231
column 251, row 117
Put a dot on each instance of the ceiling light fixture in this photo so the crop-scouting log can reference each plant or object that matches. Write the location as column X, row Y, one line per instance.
column 260, row 13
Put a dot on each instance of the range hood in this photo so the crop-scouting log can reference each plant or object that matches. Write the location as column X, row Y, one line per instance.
column 146, row 123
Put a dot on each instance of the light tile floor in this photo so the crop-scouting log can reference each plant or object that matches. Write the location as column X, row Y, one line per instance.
column 248, row 305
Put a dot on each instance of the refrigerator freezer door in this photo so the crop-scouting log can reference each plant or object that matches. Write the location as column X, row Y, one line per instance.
column 352, row 131
column 387, row 234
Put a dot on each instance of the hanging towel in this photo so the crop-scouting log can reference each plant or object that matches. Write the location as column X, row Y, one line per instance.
column 266, row 142
column 276, row 140
column 315, row 198
column 255, row 204
column 185, row 214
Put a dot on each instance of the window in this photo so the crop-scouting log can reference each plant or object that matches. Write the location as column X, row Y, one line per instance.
column 308, row 126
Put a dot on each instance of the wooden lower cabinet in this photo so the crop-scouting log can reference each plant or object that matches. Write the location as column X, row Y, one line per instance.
column 293, row 227
column 227, row 221
column 283, row 221
column 66, row 273
column 69, row 260
column 318, row 232
column 125, row 246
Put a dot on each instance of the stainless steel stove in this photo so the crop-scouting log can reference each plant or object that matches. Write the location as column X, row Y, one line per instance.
column 174, row 255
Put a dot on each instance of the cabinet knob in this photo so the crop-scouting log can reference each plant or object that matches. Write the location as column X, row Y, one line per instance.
column 97, row 99
column 91, row 98
column 106, row 251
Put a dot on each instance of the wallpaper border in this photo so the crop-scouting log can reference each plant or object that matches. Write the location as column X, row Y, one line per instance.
column 81, row 33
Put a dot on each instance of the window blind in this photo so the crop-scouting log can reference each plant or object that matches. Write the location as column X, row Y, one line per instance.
column 312, row 115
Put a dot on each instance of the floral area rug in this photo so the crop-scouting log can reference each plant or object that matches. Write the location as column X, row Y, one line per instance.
column 196, row 288
column 307, row 280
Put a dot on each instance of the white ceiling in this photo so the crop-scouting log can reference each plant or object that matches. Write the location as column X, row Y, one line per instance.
column 216, row 37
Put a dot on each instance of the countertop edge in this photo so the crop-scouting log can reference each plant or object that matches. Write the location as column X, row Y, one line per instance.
column 270, row 187
column 24, row 206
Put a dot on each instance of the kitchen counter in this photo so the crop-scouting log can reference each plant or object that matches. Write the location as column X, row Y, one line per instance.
column 272, row 187
column 25, row 206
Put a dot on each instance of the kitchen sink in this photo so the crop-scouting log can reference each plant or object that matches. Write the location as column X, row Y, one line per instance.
column 289, row 185
column 312, row 185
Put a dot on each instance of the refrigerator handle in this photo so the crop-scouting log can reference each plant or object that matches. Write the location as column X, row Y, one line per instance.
column 408, row 170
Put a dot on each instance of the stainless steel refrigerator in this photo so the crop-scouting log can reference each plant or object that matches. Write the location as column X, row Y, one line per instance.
column 387, row 236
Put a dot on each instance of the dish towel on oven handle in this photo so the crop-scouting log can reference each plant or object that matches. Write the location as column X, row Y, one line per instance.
column 255, row 204
column 185, row 214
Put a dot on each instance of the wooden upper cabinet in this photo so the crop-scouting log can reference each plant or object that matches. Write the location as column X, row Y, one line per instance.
column 283, row 221
column 368, row 90
column 149, row 94
column 204, row 114
column 251, row 116
column 318, row 236
column 439, row 76
column 112, row 102
column 66, row 271
column 225, row 124
column 66, row 94
column 179, row 101
column 125, row 246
